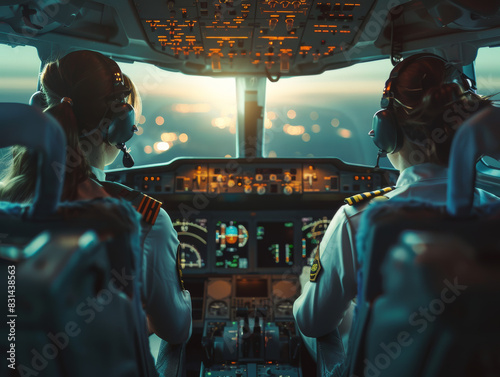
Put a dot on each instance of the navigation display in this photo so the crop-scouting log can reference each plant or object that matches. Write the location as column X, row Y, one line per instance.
column 313, row 231
column 275, row 244
column 193, row 242
column 231, row 239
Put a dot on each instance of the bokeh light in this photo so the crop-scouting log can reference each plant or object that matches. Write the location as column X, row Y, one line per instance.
column 345, row 133
column 316, row 128
column 335, row 122
column 183, row 138
column 159, row 120
column 293, row 130
column 291, row 114
column 168, row 137
column 271, row 115
column 306, row 137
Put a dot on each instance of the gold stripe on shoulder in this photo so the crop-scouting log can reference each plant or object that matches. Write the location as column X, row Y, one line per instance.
column 149, row 208
column 358, row 198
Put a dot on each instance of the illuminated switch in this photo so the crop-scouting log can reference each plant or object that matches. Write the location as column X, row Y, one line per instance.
column 272, row 23
column 216, row 66
column 284, row 63
column 289, row 24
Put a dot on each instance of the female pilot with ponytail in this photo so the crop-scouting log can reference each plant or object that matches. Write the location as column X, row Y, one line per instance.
column 94, row 103
column 425, row 100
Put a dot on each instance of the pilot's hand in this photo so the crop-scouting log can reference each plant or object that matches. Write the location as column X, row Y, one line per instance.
column 304, row 276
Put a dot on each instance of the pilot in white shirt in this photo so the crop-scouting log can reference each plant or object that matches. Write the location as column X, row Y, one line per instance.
column 323, row 303
column 415, row 133
column 166, row 303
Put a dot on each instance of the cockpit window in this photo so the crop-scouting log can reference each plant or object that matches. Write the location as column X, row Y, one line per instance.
column 488, row 83
column 182, row 116
column 328, row 115
column 488, row 71
column 19, row 71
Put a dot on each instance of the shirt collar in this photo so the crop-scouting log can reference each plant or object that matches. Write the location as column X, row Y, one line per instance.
column 100, row 175
column 421, row 172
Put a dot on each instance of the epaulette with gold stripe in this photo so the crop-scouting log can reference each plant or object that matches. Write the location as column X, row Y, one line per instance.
column 367, row 195
column 147, row 206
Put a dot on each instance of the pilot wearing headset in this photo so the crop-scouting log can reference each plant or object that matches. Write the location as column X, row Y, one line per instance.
column 92, row 100
column 424, row 102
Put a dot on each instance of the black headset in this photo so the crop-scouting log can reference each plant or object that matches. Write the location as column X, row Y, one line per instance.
column 118, row 123
column 387, row 135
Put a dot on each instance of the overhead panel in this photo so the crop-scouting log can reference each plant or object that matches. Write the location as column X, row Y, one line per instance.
column 255, row 37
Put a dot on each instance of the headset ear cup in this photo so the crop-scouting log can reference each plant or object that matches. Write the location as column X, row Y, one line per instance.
column 122, row 123
column 387, row 135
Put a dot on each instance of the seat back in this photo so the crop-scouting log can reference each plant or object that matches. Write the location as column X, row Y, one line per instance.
column 407, row 321
column 77, row 265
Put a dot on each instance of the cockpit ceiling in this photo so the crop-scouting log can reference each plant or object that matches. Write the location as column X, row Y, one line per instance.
column 252, row 37
column 234, row 36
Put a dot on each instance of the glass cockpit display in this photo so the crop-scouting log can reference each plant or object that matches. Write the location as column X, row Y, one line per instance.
column 231, row 239
column 275, row 244
column 193, row 242
column 313, row 231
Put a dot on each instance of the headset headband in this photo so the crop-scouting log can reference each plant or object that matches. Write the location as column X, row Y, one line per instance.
column 119, row 87
column 450, row 71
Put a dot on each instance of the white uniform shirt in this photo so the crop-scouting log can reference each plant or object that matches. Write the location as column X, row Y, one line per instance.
column 168, row 306
column 321, row 307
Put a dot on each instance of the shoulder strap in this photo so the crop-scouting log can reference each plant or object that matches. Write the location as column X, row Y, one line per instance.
column 355, row 199
column 147, row 206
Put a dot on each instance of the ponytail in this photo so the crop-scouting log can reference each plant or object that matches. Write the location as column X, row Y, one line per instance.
column 77, row 166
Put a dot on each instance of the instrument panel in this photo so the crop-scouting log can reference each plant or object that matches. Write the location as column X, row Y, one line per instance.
column 279, row 37
column 248, row 245
column 235, row 216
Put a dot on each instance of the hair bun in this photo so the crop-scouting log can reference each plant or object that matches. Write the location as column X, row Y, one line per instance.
column 439, row 97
